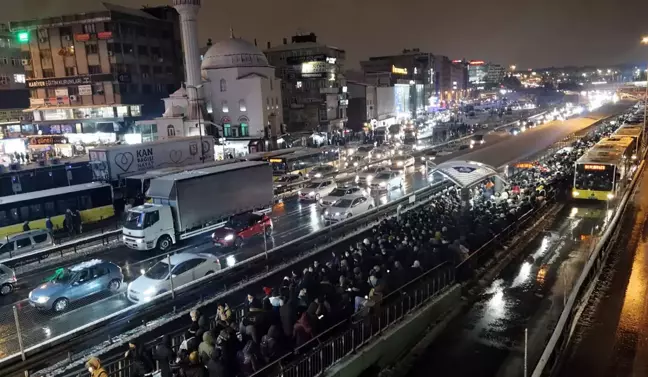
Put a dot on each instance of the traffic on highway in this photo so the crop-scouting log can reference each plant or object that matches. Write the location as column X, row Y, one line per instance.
column 63, row 297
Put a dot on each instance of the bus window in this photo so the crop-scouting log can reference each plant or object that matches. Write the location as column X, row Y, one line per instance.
column 50, row 210
column 14, row 215
column 24, row 213
column 4, row 221
column 36, row 211
column 85, row 202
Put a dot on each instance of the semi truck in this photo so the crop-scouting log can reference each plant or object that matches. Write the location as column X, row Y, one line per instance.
column 111, row 164
column 194, row 202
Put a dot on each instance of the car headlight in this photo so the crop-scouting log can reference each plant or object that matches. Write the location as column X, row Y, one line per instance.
column 299, row 192
column 355, row 163
column 229, row 237
column 610, row 196
column 422, row 158
column 399, row 163
column 150, row 291
column 326, row 213
column 42, row 299
column 139, row 240
column 369, row 177
column 337, row 214
column 575, row 193
column 383, row 184
column 318, row 175
column 312, row 193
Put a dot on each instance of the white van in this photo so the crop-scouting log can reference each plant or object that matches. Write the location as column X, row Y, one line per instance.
column 25, row 242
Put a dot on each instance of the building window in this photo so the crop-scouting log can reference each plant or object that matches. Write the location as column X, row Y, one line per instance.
column 50, row 92
column 128, row 48
column 19, row 78
column 146, row 89
column 98, row 88
column 242, row 106
column 70, row 71
column 48, row 73
column 89, row 28
column 157, row 70
column 4, row 60
column 94, row 69
column 114, row 48
column 225, row 108
column 155, row 52
column 16, row 62
column 245, row 131
column 142, row 50
column 45, row 54
column 227, row 130
column 223, row 85
column 271, row 80
column 4, row 80
column 141, row 32
column 92, row 48
column 299, row 85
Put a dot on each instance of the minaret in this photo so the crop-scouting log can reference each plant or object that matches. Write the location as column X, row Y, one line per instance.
column 188, row 10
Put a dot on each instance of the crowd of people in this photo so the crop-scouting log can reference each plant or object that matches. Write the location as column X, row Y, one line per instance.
column 355, row 281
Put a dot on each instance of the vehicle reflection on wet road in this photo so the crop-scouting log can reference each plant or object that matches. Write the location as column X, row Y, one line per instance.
column 487, row 340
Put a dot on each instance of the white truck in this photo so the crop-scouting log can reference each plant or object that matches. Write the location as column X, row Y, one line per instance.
column 110, row 164
column 194, row 202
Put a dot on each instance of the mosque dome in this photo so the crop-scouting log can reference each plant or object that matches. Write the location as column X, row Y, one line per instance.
column 233, row 53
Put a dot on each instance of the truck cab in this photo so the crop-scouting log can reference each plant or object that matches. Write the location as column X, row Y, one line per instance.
column 149, row 226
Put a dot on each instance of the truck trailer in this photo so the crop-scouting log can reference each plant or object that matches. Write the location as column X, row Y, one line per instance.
column 137, row 185
column 111, row 164
column 194, row 202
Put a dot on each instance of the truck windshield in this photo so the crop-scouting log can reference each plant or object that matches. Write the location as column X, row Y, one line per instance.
column 134, row 220
column 141, row 220
column 159, row 271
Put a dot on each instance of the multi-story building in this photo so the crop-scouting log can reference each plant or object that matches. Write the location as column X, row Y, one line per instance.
column 411, row 67
column 312, row 81
column 14, row 97
column 97, row 71
column 495, row 73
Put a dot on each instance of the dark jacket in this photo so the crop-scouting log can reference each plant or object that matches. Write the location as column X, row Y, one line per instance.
column 288, row 313
column 164, row 356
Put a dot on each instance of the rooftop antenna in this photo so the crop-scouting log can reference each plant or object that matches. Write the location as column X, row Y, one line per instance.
column 231, row 32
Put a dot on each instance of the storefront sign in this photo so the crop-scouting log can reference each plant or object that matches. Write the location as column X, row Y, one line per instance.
column 81, row 37
column 61, row 92
column 57, row 101
column 105, row 35
column 524, row 165
column 69, row 81
column 47, row 140
column 36, row 102
column 296, row 60
column 85, row 90
column 594, row 167
column 399, row 71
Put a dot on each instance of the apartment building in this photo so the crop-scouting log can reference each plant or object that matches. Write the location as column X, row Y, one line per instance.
column 99, row 69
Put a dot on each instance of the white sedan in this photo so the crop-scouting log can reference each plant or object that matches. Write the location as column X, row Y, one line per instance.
column 401, row 162
column 386, row 181
column 348, row 206
column 317, row 189
column 339, row 192
column 366, row 176
column 321, row 171
column 185, row 268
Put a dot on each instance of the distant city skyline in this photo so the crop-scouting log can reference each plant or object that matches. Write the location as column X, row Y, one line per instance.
column 550, row 33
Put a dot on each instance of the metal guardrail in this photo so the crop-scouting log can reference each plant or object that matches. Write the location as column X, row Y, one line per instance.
column 71, row 247
column 232, row 278
column 580, row 294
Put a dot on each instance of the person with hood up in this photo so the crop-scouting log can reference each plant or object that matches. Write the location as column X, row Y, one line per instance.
column 206, row 347
column 94, row 367
column 141, row 364
column 215, row 366
column 164, row 356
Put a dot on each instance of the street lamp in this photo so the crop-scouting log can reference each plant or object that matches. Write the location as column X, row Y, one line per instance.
column 202, row 148
column 513, row 67
column 644, row 41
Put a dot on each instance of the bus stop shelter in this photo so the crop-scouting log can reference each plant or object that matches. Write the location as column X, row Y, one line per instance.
column 466, row 174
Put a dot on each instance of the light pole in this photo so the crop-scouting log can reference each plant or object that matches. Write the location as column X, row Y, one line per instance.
column 644, row 41
column 196, row 88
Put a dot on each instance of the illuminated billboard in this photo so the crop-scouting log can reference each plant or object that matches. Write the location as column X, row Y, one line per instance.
column 314, row 69
column 399, row 71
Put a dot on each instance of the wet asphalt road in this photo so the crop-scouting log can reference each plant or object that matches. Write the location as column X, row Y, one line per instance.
column 611, row 337
column 488, row 339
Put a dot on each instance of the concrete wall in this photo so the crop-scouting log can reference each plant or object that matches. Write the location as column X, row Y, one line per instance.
column 386, row 349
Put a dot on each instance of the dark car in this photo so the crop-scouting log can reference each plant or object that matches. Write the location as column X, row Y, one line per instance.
column 242, row 227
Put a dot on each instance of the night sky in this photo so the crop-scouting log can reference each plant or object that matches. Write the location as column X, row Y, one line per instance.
column 526, row 33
